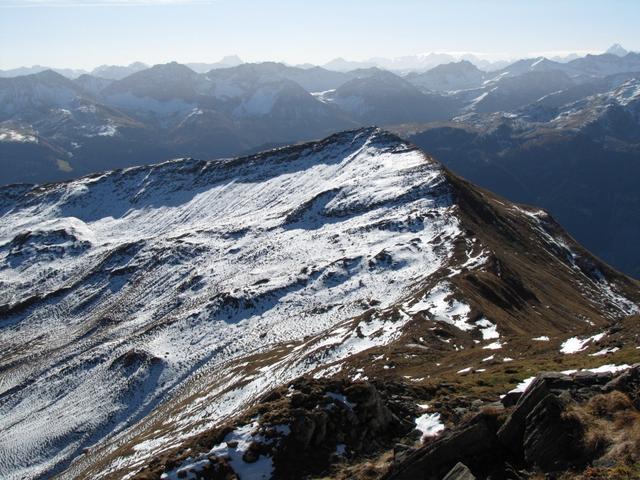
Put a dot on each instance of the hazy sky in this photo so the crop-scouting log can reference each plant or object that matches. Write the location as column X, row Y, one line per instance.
column 83, row 34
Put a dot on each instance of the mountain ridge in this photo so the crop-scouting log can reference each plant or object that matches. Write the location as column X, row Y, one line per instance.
column 131, row 252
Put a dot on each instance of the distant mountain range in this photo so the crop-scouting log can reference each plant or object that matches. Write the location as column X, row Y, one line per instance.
column 404, row 64
column 482, row 123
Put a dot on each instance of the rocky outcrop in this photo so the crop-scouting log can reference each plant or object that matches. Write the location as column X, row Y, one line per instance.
column 460, row 472
column 628, row 383
column 303, row 429
column 551, row 428
column 473, row 444
column 550, row 441
column 334, row 421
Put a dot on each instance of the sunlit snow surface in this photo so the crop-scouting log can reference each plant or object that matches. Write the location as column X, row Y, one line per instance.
column 120, row 287
column 575, row 344
column 429, row 424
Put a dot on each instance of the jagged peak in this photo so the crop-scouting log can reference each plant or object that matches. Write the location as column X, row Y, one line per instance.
column 617, row 49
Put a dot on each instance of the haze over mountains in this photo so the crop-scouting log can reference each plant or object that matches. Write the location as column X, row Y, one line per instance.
column 544, row 120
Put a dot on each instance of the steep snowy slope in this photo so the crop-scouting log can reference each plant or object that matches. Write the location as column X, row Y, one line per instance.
column 117, row 287
column 196, row 287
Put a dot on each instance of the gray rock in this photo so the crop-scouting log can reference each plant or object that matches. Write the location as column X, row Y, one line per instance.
column 476, row 442
column 459, row 472
column 512, row 432
column 551, row 442
column 627, row 382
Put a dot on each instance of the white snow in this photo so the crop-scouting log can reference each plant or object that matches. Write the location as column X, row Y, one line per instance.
column 605, row 351
column 429, row 424
column 575, row 344
column 260, row 102
column 536, row 62
column 169, row 274
column 261, row 469
column 441, row 304
column 522, row 386
column 488, row 330
column 493, row 346
column 8, row 135
column 610, row 368
column 596, row 285
column 542, row 338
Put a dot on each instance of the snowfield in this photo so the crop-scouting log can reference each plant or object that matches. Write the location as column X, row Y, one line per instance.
column 117, row 288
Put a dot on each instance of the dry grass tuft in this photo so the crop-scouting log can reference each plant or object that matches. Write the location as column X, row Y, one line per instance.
column 607, row 406
column 612, row 428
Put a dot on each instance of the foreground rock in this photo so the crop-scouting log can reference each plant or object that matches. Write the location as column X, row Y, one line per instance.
column 296, row 431
column 460, row 472
column 560, row 423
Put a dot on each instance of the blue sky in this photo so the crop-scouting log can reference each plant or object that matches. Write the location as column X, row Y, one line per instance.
column 84, row 34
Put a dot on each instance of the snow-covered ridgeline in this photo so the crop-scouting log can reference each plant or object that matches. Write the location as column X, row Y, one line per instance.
column 144, row 276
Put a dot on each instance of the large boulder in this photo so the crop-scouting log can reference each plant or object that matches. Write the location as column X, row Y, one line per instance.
column 511, row 433
column 628, row 382
column 475, row 444
column 552, row 441
column 580, row 387
column 459, row 472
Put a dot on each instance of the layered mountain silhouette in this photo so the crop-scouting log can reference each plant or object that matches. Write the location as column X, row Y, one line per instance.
column 554, row 121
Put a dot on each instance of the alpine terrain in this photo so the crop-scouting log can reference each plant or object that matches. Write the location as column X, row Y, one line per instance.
column 344, row 308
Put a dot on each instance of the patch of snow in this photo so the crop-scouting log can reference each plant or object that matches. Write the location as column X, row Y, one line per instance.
column 523, row 385
column 610, row 368
column 260, row 102
column 488, row 330
column 9, row 136
column 429, row 424
column 493, row 346
column 241, row 439
column 439, row 302
column 575, row 344
column 604, row 351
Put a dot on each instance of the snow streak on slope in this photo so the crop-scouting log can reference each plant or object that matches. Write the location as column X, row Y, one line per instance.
column 115, row 289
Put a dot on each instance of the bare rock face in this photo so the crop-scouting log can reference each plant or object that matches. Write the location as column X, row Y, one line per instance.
column 550, row 441
column 541, row 433
column 474, row 444
column 512, row 432
column 459, row 472
column 629, row 383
